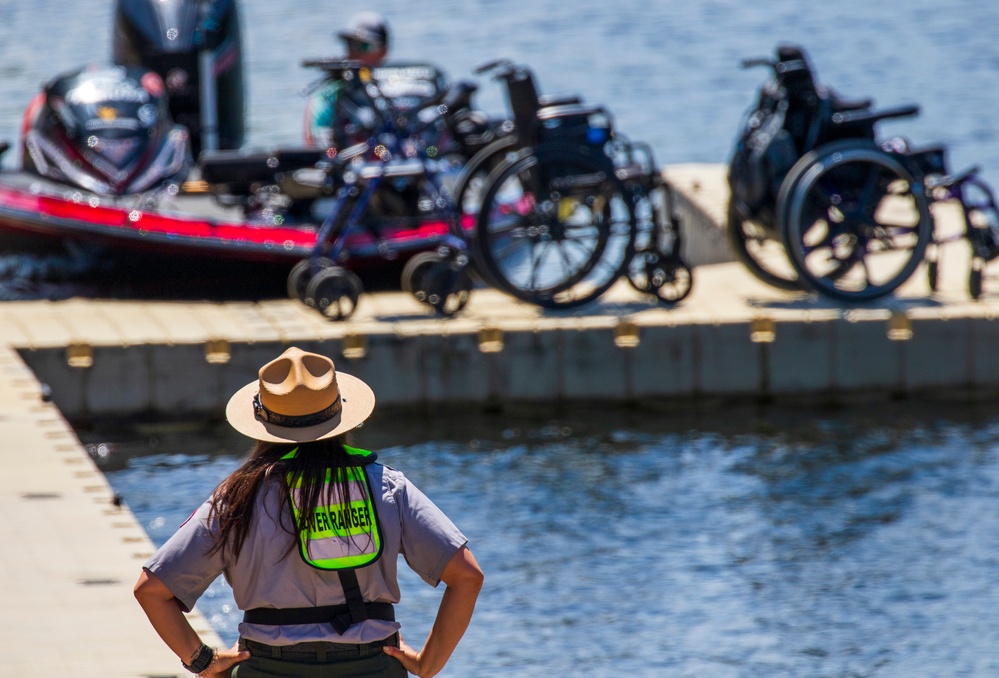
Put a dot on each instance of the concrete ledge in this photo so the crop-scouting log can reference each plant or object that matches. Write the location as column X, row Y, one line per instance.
column 72, row 555
column 701, row 198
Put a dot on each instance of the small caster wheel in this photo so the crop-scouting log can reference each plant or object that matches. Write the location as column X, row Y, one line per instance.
column 975, row 283
column 933, row 274
column 448, row 285
column 300, row 275
column 334, row 292
column 666, row 277
column 414, row 273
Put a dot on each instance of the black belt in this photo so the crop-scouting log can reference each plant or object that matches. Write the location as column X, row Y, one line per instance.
column 318, row 650
column 337, row 615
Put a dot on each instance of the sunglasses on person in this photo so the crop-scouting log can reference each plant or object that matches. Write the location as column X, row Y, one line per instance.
column 362, row 46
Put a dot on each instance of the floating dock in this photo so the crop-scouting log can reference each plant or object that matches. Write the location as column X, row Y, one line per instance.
column 73, row 555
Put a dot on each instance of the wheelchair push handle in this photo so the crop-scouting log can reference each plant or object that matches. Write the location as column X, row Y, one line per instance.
column 492, row 65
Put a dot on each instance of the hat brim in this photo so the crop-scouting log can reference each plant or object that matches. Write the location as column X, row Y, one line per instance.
column 358, row 402
column 363, row 36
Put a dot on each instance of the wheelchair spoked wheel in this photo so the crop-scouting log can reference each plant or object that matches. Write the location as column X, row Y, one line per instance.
column 556, row 227
column 471, row 183
column 301, row 274
column 334, row 292
column 667, row 277
column 856, row 222
column 762, row 254
column 471, row 187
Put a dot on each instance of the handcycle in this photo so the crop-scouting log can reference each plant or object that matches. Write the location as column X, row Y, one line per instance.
column 817, row 201
column 395, row 163
column 568, row 206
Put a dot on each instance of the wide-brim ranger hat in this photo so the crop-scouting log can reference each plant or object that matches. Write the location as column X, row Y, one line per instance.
column 367, row 26
column 299, row 397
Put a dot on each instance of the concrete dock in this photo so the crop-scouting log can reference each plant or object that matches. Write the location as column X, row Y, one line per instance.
column 72, row 555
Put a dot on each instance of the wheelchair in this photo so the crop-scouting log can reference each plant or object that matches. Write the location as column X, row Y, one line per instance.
column 817, row 201
column 568, row 206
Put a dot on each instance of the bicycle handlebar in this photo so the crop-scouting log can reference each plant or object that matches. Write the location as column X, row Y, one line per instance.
column 333, row 64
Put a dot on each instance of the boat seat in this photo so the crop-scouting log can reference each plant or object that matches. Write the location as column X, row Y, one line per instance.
column 241, row 170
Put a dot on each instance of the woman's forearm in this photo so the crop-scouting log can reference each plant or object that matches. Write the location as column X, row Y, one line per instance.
column 463, row 578
column 167, row 618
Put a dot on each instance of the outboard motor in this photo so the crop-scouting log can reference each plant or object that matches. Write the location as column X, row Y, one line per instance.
column 182, row 40
column 106, row 129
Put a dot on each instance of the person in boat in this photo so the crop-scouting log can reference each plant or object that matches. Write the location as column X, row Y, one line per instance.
column 308, row 531
column 334, row 116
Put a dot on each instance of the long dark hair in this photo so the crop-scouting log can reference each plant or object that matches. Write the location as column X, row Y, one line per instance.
column 234, row 499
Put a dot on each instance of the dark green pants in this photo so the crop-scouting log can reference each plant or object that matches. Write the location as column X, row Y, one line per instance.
column 346, row 661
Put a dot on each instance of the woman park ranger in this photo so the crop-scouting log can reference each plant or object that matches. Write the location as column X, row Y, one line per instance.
column 308, row 531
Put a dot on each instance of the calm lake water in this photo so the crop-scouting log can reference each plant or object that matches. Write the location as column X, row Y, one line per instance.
column 730, row 542
column 856, row 543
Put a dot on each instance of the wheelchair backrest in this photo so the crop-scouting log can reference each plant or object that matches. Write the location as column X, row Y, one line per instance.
column 522, row 93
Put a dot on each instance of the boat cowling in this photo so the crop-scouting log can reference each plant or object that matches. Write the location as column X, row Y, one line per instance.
column 106, row 129
column 167, row 36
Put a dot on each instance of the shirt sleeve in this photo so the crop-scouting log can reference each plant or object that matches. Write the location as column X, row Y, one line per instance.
column 429, row 538
column 184, row 564
column 320, row 114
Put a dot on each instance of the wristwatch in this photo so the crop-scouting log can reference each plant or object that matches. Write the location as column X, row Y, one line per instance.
column 202, row 660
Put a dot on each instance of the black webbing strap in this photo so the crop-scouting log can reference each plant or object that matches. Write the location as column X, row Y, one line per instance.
column 352, row 592
column 339, row 616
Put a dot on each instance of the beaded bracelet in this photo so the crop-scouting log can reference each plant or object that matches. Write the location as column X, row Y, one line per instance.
column 201, row 661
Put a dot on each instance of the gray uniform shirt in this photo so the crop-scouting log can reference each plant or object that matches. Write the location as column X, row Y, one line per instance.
column 266, row 574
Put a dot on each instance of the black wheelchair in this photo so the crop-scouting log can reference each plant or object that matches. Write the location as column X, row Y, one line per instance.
column 817, row 202
column 564, row 205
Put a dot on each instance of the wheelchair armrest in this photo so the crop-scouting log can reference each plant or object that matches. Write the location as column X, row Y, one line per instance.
column 546, row 100
column 567, row 110
column 867, row 116
column 841, row 105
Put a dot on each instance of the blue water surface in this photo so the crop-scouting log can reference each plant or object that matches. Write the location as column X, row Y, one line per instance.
column 725, row 544
column 730, row 543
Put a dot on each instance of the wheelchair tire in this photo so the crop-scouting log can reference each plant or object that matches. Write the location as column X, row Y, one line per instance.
column 447, row 285
column 414, row 273
column 855, row 222
column 556, row 227
column 301, row 273
column 933, row 274
column 471, row 182
column 975, row 279
column 666, row 277
column 334, row 292
column 762, row 254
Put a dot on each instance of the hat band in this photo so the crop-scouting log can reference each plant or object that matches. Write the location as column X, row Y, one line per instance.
column 295, row 421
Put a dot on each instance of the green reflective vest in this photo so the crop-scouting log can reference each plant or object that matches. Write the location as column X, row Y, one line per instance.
column 340, row 536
